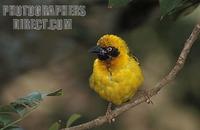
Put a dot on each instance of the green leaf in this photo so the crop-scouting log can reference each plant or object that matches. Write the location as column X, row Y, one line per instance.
column 166, row 6
column 118, row 3
column 34, row 96
column 5, row 119
column 55, row 126
column 23, row 107
column 72, row 119
column 56, row 93
column 14, row 128
column 31, row 101
column 19, row 108
column 177, row 7
column 6, row 109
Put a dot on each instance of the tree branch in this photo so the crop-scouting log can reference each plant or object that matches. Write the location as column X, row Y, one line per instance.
column 140, row 99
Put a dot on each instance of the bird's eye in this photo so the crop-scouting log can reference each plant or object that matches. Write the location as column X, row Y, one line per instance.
column 109, row 49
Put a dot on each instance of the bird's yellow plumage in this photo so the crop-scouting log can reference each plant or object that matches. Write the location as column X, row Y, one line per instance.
column 116, row 74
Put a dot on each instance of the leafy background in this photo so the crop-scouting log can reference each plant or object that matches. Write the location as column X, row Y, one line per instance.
column 45, row 61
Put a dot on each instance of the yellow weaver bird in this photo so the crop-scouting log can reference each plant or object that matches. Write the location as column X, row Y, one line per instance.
column 116, row 74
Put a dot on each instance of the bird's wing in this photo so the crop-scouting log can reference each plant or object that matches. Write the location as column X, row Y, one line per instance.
column 134, row 57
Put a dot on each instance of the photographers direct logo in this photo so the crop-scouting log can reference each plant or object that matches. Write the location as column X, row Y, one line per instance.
column 43, row 17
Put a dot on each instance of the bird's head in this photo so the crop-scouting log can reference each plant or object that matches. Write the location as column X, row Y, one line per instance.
column 110, row 47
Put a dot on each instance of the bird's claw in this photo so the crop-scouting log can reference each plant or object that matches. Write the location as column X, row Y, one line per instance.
column 109, row 114
column 148, row 100
column 145, row 94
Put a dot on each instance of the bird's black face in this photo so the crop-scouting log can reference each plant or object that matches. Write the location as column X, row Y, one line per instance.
column 105, row 53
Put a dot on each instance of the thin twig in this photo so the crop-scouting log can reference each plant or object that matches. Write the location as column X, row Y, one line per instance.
column 140, row 99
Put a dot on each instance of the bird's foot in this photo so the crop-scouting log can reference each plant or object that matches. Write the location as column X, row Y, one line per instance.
column 145, row 94
column 109, row 115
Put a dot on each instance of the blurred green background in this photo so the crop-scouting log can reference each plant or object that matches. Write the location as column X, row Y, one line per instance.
column 48, row 60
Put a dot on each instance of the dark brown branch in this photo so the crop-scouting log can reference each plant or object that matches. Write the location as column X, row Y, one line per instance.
column 140, row 99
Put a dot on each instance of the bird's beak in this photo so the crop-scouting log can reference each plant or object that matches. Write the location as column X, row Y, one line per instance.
column 95, row 50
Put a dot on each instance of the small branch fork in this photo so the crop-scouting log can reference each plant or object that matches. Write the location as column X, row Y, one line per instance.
column 140, row 99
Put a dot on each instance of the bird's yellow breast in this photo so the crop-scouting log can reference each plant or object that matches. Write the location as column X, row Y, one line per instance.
column 118, row 82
